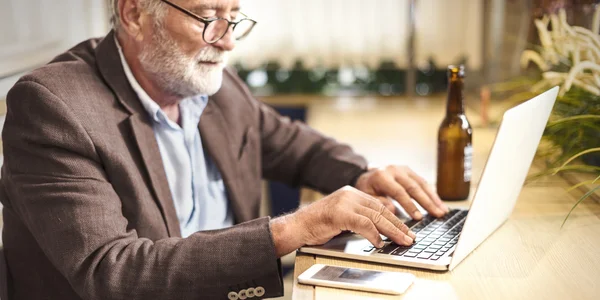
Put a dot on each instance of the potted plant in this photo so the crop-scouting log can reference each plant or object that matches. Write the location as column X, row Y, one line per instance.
column 569, row 56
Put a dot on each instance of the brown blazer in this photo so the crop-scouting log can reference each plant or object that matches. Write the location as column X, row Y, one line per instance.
column 87, row 209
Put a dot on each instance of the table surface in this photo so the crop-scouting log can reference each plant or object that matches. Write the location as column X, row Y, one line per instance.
column 529, row 257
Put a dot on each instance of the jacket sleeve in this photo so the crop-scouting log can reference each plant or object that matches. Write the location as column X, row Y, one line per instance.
column 298, row 155
column 55, row 182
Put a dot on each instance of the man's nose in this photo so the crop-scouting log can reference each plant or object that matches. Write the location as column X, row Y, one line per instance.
column 227, row 42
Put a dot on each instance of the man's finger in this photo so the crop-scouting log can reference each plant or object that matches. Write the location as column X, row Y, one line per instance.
column 387, row 202
column 364, row 226
column 377, row 208
column 429, row 190
column 387, row 185
column 416, row 191
column 384, row 226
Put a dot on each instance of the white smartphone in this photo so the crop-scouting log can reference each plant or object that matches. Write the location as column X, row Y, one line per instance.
column 394, row 283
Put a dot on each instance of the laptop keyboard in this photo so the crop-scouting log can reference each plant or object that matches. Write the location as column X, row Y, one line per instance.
column 435, row 237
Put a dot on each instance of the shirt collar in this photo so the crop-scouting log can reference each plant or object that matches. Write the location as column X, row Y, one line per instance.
column 195, row 104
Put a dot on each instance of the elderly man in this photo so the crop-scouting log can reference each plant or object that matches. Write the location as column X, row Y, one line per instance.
column 133, row 166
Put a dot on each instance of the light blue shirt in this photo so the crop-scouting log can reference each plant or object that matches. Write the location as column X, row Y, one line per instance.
column 195, row 182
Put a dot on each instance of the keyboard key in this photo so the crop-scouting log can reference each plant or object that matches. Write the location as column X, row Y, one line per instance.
column 411, row 223
column 399, row 251
column 425, row 255
column 444, row 227
column 389, row 248
column 429, row 250
column 410, row 254
column 435, row 257
column 416, row 229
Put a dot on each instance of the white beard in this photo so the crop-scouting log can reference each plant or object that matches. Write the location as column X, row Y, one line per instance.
column 178, row 74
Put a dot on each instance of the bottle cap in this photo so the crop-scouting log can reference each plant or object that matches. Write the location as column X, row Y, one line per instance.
column 456, row 71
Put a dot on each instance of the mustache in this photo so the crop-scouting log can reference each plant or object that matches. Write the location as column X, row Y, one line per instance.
column 212, row 54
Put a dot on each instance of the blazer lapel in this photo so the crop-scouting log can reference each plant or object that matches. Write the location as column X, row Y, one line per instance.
column 221, row 148
column 109, row 64
column 146, row 141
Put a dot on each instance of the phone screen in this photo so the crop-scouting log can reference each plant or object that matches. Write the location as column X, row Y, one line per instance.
column 355, row 276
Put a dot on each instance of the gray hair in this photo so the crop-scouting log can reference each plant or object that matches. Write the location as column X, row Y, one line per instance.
column 153, row 7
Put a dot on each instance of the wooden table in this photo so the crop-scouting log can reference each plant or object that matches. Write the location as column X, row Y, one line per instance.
column 529, row 257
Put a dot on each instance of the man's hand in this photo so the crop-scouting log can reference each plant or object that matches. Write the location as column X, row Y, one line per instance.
column 345, row 209
column 401, row 184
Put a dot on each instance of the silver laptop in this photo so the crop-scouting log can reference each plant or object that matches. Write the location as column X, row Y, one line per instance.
column 441, row 244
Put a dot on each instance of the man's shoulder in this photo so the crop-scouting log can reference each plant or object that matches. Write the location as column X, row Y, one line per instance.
column 69, row 75
column 75, row 63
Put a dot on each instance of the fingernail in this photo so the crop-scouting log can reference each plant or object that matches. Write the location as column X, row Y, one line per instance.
column 446, row 208
column 408, row 240
column 381, row 244
column 412, row 234
column 418, row 215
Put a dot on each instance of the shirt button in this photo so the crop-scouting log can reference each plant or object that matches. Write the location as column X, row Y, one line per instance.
column 250, row 293
column 259, row 291
column 232, row 296
column 242, row 295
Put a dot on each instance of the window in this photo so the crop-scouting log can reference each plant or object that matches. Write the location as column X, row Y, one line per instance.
column 34, row 31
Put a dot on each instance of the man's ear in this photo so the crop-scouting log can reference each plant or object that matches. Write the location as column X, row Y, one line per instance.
column 132, row 18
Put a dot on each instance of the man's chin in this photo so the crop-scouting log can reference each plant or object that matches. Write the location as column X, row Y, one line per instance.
column 213, row 91
column 214, row 86
column 205, row 81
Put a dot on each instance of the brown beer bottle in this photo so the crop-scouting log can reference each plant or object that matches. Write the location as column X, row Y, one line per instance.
column 455, row 151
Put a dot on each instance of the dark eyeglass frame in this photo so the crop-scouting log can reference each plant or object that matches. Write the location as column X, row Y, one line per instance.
column 207, row 22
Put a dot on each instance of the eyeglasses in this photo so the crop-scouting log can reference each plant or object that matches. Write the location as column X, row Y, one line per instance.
column 216, row 28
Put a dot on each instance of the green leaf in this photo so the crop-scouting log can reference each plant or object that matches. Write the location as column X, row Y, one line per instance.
column 590, row 192
column 582, row 183
column 581, row 117
column 576, row 156
column 581, row 168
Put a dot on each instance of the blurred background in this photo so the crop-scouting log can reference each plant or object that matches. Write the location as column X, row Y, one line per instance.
column 302, row 46
column 352, row 56
column 332, row 47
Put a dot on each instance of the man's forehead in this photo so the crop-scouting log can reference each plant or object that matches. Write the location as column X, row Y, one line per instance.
column 212, row 4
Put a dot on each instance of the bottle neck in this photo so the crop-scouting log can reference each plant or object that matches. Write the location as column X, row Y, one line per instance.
column 455, row 97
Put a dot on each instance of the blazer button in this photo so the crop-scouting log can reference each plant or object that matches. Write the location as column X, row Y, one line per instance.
column 259, row 291
column 232, row 296
column 242, row 295
column 250, row 293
